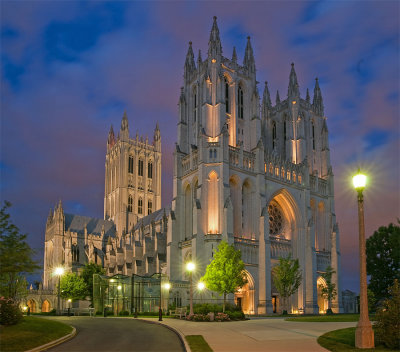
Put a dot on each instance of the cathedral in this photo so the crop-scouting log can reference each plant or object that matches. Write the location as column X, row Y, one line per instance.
column 247, row 171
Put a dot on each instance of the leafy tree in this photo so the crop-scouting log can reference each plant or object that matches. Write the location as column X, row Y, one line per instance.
column 287, row 278
column 383, row 259
column 72, row 287
column 328, row 291
column 15, row 257
column 371, row 301
column 87, row 275
column 387, row 326
column 225, row 274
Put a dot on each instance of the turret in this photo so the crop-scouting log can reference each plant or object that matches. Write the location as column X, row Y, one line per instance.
column 308, row 96
column 317, row 105
column 234, row 56
column 248, row 60
column 124, row 133
column 278, row 99
column 199, row 60
column 214, row 44
column 266, row 97
column 190, row 65
column 157, row 138
column 111, row 138
column 293, row 89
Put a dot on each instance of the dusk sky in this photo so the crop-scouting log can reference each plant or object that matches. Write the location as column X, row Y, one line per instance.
column 70, row 69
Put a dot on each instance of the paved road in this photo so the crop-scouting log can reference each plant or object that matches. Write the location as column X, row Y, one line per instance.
column 118, row 334
column 258, row 335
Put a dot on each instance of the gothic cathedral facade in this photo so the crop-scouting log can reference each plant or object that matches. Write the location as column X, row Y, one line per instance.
column 258, row 178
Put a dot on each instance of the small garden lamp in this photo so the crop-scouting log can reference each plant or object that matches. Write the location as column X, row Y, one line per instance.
column 201, row 286
column 59, row 271
column 190, row 266
column 364, row 332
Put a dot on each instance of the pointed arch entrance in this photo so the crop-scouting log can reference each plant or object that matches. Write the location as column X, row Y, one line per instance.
column 321, row 301
column 244, row 296
column 46, row 306
column 32, row 305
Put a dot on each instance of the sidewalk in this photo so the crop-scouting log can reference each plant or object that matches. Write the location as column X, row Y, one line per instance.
column 258, row 334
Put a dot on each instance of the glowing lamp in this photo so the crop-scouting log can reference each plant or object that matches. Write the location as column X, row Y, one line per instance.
column 119, row 287
column 359, row 181
column 69, row 300
column 201, row 286
column 112, row 280
column 59, row 271
column 167, row 285
column 190, row 266
column 25, row 308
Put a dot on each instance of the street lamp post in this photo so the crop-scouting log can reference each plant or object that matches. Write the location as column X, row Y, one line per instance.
column 59, row 272
column 364, row 332
column 167, row 286
column 190, row 267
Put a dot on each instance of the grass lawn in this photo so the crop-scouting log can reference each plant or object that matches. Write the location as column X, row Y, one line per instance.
column 197, row 343
column 328, row 318
column 31, row 332
column 343, row 340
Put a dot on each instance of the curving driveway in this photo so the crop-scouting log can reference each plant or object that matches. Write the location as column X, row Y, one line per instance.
column 118, row 334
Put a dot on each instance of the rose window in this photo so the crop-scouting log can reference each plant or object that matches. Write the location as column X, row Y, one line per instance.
column 276, row 220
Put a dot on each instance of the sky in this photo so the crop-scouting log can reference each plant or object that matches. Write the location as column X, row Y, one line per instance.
column 69, row 69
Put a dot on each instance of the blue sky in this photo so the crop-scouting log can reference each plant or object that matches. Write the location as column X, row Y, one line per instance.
column 70, row 69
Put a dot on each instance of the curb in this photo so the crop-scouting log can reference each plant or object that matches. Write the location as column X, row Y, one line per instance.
column 55, row 342
column 181, row 336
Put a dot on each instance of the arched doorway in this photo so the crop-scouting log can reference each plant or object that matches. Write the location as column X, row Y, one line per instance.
column 32, row 305
column 46, row 307
column 322, row 302
column 244, row 296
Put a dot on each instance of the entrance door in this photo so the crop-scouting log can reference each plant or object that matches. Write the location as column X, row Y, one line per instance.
column 239, row 302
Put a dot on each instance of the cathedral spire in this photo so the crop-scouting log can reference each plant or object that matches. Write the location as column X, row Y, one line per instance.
column 214, row 44
column 317, row 105
column 308, row 96
column 234, row 56
column 278, row 99
column 199, row 60
column 293, row 89
column 111, row 137
column 190, row 66
column 248, row 60
column 124, row 133
column 266, row 96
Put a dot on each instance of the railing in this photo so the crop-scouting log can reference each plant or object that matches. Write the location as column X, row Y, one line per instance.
column 280, row 247
column 189, row 162
column 283, row 170
column 323, row 260
column 244, row 161
column 318, row 185
column 248, row 248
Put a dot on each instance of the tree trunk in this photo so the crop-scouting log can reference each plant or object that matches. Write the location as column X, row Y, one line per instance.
column 223, row 306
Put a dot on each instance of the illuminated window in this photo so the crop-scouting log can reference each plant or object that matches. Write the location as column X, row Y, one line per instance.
column 140, row 206
column 130, row 165
column 276, row 220
column 283, row 173
column 130, row 204
column 277, row 171
column 288, row 175
column 140, row 167
column 271, row 168
column 149, row 207
column 294, row 176
column 227, row 100
column 150, row 170
column 299, row 178
column 240, row 103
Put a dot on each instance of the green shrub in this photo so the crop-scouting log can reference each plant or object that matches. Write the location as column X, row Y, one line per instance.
column 123, row 313
column 387, row 326
column 10, row 314
column 237, row 315
column 222, row 317
column 198, row 317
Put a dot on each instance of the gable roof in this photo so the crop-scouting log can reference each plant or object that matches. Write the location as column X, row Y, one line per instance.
column 77, row 223
column 156, row 216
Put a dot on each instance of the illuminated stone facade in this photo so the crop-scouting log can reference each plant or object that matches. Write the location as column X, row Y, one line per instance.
column 258, row 177
column 261, row 180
